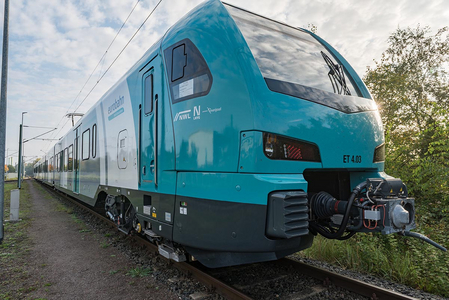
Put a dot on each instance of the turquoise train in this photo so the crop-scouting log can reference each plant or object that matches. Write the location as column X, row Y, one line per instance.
column 234, row 139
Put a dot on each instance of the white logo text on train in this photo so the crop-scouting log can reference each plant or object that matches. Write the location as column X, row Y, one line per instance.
column 116, row 104
column 182, row 115
column 185, row 115
column 196, row 112
column 212, row 110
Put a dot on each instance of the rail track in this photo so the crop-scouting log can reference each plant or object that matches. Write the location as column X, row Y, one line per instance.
column 222, row 280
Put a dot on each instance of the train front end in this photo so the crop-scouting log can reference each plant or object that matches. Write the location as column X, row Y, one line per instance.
column 314, row 118
column 281, row 142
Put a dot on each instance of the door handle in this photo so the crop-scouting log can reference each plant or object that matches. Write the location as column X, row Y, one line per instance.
column 152, row 166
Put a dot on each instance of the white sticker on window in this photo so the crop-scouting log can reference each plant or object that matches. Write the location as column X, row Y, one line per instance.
column 186, row 88
column 183, row 210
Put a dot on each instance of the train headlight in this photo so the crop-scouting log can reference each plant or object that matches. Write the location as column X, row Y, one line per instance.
column 379, row 154
column 283, row 148
column 269, row 149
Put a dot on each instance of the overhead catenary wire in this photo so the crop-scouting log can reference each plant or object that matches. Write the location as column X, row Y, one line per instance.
column 106, row 52
column 109, row 67
column 41, row 127
column 62, row 127
column 132, row 37
column 93, row 71
column 12, row 154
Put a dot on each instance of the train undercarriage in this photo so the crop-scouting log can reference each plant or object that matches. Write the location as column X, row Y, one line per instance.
column 375, row 205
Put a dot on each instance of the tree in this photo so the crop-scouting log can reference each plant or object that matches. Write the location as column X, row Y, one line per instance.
column 411, row 86
column 11, row 169
column 29, row 169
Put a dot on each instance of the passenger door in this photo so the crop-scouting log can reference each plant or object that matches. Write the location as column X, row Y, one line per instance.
column 76, row 163
column 147, row 130
column 156, row 158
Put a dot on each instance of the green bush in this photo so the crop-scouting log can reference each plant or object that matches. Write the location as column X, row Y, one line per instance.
column 411, row 86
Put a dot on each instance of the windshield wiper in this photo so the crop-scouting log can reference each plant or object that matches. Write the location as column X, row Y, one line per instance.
column 337, row 76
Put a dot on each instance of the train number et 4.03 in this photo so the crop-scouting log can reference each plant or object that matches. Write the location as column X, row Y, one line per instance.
column 356, row 159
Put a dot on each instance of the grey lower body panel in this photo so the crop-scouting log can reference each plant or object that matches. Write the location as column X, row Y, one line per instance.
column 217, row 233
column 221, row 233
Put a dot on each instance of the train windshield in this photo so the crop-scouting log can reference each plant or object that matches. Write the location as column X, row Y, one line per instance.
column 290, row 55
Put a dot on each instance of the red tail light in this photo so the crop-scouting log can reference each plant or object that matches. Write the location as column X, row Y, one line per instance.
column 379, row 153
column 283, row 148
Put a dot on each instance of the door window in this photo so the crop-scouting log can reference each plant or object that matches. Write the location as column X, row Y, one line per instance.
column 122, row 149
column 85, row 144
column 148, row 102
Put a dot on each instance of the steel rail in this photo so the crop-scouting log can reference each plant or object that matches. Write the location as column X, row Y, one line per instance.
column 187, row 268
column 348, row 283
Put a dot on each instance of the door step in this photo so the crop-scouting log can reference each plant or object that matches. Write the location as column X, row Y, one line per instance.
column 170, row 253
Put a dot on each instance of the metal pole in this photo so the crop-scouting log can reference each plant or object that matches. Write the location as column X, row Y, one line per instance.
column 23, row 153
column 3, row 100
column 19, row 164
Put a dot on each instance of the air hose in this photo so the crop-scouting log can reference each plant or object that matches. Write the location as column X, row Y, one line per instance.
column 424, row 238
column 339, row 234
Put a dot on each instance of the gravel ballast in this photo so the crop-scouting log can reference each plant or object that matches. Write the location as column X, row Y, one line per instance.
column 79, row 258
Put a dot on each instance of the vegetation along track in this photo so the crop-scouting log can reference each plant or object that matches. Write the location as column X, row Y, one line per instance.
column 282, row 279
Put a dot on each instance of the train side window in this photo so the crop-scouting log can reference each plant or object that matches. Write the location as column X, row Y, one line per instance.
column 51, row 163
column 70, row 160
column 94, row 140
column 148, row 94
column 66, row 159
column 179, row 62
column 190, row 76
column 61, row 161
column 85, row 145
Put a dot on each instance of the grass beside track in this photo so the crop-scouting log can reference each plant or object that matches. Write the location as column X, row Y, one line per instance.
column 404, row 260
column 14, row 250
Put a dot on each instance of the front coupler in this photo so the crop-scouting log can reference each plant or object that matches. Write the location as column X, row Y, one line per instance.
column 376, row 205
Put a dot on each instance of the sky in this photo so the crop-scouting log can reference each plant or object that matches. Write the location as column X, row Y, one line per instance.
column 56, row 44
